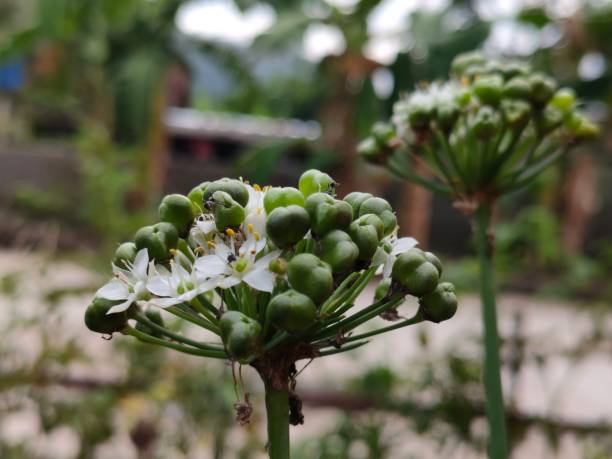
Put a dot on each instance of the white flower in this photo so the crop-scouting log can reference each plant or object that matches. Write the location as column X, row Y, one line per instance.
column 129, row 284
column 178, row 286
column 388, row 251
column 255, row 219
column 231, row 268
column 427, row 97
column 202, row 231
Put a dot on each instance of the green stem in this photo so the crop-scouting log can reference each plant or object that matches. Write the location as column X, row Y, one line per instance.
column 498, row 444
column 177, row 347
column 407, row 175
column 199, row 307
column 139, row 317
column 416, row 319
column 179, row 311
column 277, row 410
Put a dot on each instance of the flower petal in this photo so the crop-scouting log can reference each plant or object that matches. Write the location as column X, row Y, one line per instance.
column 388, row 268
column 114, row 290
column 403, row 244
column 141, row 262
column 212, row 265
column 230, row 281
column 379, row 257
column 260, row 279
column 165, row 302
column 265, row 260
column 160, row 286
column 121, row 306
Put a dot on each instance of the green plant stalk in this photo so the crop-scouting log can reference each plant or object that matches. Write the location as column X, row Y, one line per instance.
column 277, row 411
column 498, row 442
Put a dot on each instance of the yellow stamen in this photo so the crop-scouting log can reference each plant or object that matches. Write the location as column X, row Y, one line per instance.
column 200, row 249
column 230, row 232
column 465, row 81
column 211, row 244
column 256, row 187
column 172, row 252
column 256, row 235
column 250, row 228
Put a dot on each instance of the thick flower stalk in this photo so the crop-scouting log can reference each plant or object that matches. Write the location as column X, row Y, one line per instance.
column 488, row 130
column 273, row 274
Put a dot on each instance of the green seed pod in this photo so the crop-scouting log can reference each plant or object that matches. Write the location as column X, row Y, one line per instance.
column 493, row 67
column 283, row 197
column 339, row 251
column 488, row 89
column 154, row 316
column 97, row 319
column 485, row 123
column 419, row 115
column 463, row 97
column 196, row 196
column 369, row 150
column 382, row 289
column 227, row 321
column 548, row 119
column 366, row 232
column 517, row 113
column 286, row 226
column 292, row 311
column 382, row 209
column 310, row 275
column 228, row 212
column 355, row 199
column 564, row 100
column 315, row 181
column 418, row 275
column 434, row 260
column 383, row 133
column 242, row 341
column 158, row 239
column 439, row 305
column 327, row 213
column 374, row 221
column 240, row 334
column 278, row 266
column 462, row 62
column 587, row 130
column 542, row 88
column 125, row 254
column 447, row 115
column 475, row 71
column 517, row 88
column 177, row 210
column 581, row 127
column 235, row 188
column 514, row 68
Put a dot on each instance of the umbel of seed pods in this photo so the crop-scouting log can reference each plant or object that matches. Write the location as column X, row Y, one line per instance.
column 273, row 272
column 491, row 128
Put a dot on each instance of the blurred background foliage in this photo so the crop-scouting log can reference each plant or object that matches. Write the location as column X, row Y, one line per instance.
column 89, row 142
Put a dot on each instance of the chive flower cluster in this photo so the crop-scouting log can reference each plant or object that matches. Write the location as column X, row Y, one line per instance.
column 491, row 128
column 273, row 273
